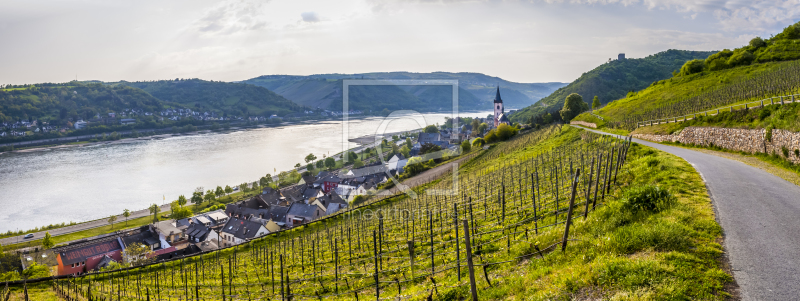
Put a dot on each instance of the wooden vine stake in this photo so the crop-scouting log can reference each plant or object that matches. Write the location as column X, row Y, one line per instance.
column 569, row 211
column 472, row 285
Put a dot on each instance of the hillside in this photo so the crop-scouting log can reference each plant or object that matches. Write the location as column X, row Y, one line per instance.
column 476, row 90
column 722, row 79
column 614, row 80
column 632, row 240
column 73, row 100
column 228, row 98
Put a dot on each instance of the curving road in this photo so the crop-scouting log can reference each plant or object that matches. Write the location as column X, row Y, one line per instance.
column 760, row 216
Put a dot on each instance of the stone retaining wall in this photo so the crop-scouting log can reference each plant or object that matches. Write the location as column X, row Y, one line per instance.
column 584, row 123
column 751, row 141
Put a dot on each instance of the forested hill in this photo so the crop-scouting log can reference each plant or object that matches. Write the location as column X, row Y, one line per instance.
column 224, row 97
column 72, row 100
column 476, row 91
column 613, row 80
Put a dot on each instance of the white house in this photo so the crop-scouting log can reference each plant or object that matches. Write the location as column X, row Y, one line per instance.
column 237, row 231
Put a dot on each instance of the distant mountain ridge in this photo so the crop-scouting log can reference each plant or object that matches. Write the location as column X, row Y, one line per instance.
column 476, row 91
column 614, row 79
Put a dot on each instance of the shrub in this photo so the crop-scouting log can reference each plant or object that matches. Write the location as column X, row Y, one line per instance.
column 478, row 142
column 757, row 42
column 647, row 198
column 692, row 67
column 741, row 58
column 465, row 146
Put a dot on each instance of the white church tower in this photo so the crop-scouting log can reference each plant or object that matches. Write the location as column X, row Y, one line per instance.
column 498, row 108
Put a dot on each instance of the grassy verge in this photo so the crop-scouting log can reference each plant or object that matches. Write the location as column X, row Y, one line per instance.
column 773, row 164
column 60, row 239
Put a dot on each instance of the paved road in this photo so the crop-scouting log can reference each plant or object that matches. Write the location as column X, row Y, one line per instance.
column 82, row 226
column 760, row 216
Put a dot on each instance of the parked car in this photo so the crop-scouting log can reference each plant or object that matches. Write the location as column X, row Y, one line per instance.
column 28, row 236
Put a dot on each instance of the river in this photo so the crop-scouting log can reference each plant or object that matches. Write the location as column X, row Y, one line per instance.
column 56, row 185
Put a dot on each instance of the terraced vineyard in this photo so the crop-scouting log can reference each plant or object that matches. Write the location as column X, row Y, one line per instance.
column 487, row 216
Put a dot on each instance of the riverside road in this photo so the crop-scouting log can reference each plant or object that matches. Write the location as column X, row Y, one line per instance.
column 758, row 212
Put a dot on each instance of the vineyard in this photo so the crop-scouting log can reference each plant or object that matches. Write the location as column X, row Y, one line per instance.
column 696, row 93
column 400, row 247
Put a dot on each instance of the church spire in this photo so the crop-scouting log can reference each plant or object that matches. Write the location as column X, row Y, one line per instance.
column 497, row 98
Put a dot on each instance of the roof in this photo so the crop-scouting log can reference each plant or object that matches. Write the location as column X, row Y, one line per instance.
column 503, row 118
column 167, row 227
column 217, row 216
column 242, row 229
column 310, row 192
column 198, row 231
column 207, row 246
column 331, row 198
column 367, row 170
column 307, row 179
column 497, row 98
column 46, row 257
column 145, row 237
column 80, row 254
column 203, row 220
column 428, row 137
column 293, row 193
column 278, row 213
column 303, row 210
column 104, row 262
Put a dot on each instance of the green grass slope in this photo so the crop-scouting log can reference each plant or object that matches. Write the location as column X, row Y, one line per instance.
column 613, row 80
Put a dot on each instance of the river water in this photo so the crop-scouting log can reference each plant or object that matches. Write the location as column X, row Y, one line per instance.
column 49, row 186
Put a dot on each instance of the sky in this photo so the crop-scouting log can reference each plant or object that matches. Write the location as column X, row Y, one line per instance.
column 521, row 41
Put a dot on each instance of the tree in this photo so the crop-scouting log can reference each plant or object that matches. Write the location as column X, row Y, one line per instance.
column 181, row 213
column 219, row 192
column 408, row 143
column 757, row 42
column 330, row 162
column 431, row 129
column 475, row 124
column 573, row 105
column 228, row 189
column 47, row 242
column 405, row 151
column 429, row 148
column 320, row 164
column 478, row 142
column 209, row 196
column 297, row 165
column 482, row 127
column 547, row 118
column 137, row 254
column 264, row 181
column 197, row 197
column 181, row 200
column 154, row 210
column 111, row 220
column 126, row 213
column 310, row 158
column 395, row 149
column 243, row 187
column 358, row 164
column 465, row 146
column 595, row 102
